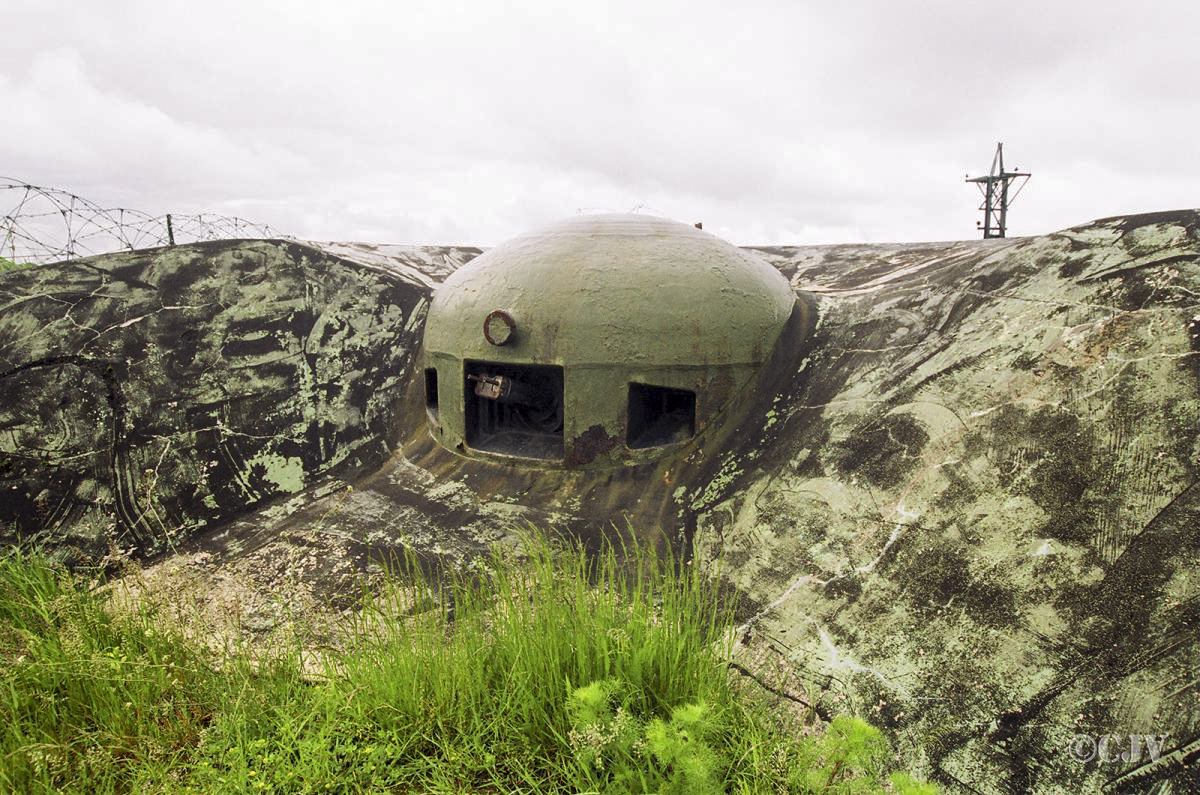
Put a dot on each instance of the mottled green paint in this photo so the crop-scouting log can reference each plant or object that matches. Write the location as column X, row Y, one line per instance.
column 287, row 473
column 614, row 300
column 964, row 505
column 231, row 372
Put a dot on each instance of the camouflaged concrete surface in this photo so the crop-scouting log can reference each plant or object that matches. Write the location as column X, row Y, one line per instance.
column 961, row 498
column 147, row 395
column 977, row 519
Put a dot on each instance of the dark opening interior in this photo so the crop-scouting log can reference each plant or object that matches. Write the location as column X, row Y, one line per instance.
column 659, row 415
column 514, row 409
column 431, row 392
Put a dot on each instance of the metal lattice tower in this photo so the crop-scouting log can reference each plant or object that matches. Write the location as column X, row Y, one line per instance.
column 998, row 194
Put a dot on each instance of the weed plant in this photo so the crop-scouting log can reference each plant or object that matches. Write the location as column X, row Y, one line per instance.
column 556, row 672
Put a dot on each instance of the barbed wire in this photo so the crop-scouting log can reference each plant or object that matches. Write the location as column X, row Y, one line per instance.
column 41, row 225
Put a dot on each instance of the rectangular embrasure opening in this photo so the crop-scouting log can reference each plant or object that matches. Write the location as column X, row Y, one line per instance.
column 514, row 409
column 431, row 391
column 659, row 415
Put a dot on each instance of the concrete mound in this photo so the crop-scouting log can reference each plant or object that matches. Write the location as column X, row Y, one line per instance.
column 960, row 496
column 149, row 395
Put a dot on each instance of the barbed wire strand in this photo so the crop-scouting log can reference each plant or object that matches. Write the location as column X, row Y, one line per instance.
column 51, row 225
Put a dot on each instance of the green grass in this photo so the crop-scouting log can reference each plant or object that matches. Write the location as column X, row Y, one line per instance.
column 562, row 672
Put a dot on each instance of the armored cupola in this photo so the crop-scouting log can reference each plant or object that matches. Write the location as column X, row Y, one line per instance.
column 600, row 340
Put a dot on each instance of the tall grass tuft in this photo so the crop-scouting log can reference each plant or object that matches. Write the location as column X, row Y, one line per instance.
column 89, row 700
column 560, row 671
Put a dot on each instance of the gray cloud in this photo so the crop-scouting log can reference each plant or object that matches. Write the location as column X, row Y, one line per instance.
column 454, row 122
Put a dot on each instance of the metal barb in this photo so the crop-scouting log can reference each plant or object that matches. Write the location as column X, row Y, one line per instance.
column 40, row 225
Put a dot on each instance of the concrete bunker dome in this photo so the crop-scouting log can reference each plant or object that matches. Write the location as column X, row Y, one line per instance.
column 599, row 340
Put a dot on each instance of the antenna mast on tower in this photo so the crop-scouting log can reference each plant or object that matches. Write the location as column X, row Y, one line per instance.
column 997, row 195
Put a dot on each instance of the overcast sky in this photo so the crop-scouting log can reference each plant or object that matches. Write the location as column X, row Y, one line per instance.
column 446, row 122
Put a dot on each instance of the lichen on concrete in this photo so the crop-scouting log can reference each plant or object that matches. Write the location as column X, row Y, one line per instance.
column 960, row 497
column 160, row 392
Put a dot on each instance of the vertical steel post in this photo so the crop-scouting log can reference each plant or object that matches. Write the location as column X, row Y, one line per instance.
column 1003, row 207
column 987, row 210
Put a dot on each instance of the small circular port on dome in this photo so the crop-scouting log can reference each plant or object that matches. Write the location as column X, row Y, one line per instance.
column 498, row 327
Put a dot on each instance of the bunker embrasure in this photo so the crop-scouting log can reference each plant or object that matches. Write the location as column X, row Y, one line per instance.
column 602, row 339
